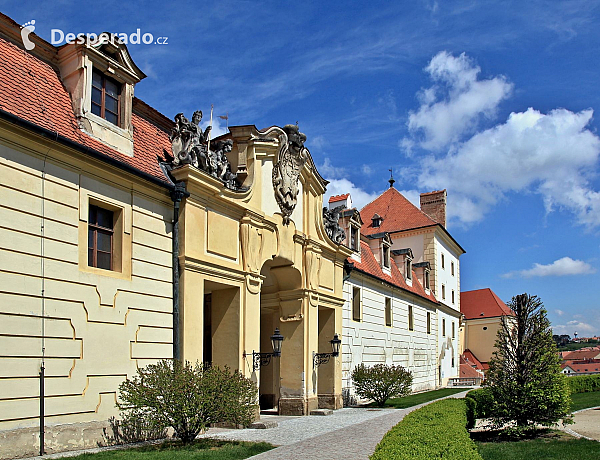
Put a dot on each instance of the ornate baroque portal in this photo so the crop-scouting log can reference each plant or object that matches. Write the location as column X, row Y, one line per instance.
column 257, row 253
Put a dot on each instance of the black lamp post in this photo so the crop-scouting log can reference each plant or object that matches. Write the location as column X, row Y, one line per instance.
column 263, row 359
column 323, row 358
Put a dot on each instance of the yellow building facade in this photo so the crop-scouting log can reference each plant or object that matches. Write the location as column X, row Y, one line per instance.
column 249, row 258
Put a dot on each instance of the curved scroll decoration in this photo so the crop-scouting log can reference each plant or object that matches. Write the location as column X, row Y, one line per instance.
column 286, row 171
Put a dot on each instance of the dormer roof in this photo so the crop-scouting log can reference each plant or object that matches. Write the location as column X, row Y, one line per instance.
column 403, row 252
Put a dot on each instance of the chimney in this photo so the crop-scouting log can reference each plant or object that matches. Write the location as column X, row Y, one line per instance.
column 434, row 205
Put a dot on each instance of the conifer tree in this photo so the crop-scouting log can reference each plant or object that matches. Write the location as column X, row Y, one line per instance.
column 524, row 373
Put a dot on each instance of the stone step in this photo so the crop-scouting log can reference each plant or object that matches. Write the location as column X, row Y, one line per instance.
column 321, row 412
column 263, row 424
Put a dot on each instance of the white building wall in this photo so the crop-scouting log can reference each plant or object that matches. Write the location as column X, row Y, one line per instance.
column 448, row 347
column 445, row 277
column 371, row 342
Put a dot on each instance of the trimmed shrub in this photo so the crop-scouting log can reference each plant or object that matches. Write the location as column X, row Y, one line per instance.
column 381, row 382
column 583, row 383
column 471, row 413
column 437, row 430
column 187, row 398
column 484, row 401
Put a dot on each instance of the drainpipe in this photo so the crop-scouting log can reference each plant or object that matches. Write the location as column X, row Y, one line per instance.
column 177, row 194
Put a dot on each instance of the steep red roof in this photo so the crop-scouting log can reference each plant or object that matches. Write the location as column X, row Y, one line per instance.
column 32, row 90
column 470, row 358
column 467, row 370
column 397, row 212
column 369, row 265
column 333, row 199
column 482, row 303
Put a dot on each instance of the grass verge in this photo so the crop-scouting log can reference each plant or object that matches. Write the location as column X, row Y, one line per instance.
column 542, row 444
column 201, row 449
column 420, row 398
column 584, row 400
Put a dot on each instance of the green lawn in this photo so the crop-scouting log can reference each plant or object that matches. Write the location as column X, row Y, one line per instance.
column 585, row 400
column 577, row 346
column 203, row 449
column 551, row 445
column 420, row 398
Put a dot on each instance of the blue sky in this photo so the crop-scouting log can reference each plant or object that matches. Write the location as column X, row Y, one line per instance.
column 494, row 101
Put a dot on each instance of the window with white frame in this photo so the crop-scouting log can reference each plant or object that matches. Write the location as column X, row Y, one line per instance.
column 443, row 292
column 411, row 319
column 452, row 268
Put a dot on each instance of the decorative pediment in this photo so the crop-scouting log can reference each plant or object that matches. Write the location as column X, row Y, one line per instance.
column 117, row 57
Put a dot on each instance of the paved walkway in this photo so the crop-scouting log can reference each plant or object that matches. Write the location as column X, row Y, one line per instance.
column 587, row 423
column 351, row 434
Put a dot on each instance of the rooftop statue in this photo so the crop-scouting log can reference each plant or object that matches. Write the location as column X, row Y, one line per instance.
column 189, row 144
column 331, row 218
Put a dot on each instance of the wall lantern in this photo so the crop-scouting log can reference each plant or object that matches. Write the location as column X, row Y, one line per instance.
column 263, row 359
column 323, row 358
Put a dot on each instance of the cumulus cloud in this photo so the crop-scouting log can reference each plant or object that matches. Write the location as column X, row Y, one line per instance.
column 359, row 197
column 561, row 267
column 559, row 312
column 575, row 326
column 552, row 154
column 454, row 104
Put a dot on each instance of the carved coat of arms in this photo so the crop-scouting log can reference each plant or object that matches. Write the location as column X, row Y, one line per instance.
column 286, row 171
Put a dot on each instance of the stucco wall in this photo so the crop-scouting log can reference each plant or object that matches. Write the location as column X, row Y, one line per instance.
column 99, row 325
column 370, row 341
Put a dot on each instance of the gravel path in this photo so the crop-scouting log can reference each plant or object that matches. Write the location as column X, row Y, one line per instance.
column 587, row 424
column 349, row 434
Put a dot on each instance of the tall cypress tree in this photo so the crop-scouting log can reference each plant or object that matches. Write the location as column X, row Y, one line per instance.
column 524, row 373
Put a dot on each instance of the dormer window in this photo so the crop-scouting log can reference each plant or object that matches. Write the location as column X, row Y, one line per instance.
column 376, row 220
column 354, row 239
column 106, row 95
column 427, row 279
column 408, row 269
column 386, row 256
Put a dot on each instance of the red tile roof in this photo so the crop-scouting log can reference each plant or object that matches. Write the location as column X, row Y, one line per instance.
column 472, row 359
column 467, row 370
column 577, row 355
column 333, row 199
column 368, row 264
column 482, row 303
column 397, row 212
column 32, row 90
column 592, row 367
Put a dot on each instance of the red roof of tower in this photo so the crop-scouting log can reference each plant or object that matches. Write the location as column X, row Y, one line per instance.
column 333, row 199
column 482, row 303
column 397, row 212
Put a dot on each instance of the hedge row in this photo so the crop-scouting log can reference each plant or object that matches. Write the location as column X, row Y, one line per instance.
column 479, row 404
column 584, row 383
column 437, row 430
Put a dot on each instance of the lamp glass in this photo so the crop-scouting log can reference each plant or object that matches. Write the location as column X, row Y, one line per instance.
column 335, row 345
column 276, row 340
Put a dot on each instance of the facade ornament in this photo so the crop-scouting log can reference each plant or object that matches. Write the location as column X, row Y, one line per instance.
column 189, row 144
column 286, row 171
column 331, row 218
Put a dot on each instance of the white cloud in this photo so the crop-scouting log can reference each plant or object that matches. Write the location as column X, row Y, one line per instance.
column 455, row 103
column 552, row 154
column 559, row 312
column 339, row 186
column 575, row 326
column 560, row 267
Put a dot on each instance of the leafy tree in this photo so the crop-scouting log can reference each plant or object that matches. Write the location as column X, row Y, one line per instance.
column 187, row 398
column 381, row 382
column 524, row 373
